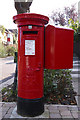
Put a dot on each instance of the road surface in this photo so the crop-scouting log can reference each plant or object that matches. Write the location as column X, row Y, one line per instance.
column 7, row 70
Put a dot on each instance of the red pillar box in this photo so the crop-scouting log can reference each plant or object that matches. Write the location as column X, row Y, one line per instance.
column 58, row 48
column 30, row 63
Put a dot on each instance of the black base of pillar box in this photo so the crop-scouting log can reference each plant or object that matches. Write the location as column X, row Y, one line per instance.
column 30, row 107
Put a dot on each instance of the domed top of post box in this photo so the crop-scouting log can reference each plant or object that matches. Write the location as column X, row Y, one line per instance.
column 30, row 19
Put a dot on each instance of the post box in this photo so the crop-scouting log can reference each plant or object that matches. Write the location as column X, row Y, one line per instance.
column 30, row 63
column 58, row 48
column 39, row 47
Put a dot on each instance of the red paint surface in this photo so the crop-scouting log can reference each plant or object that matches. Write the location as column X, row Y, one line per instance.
column 58, row 53
column 30, row 19
column 8, row 39
column 30, row 67
column 58, row 48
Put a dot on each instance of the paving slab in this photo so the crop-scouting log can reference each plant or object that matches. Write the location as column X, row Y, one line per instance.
column 75, row 75
column 65, row 113
column 67, row 116
column 73, row 108
column 52, row 107
column 55, row 115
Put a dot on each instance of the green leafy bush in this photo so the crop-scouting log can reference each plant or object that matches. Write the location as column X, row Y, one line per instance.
column 2, row 51
column 8, row 95
column 48, row 81
column 57, row 86
column 10, row 50
column 7, row 50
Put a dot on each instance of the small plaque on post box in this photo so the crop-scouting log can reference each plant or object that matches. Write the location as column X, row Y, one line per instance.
column 29, row 47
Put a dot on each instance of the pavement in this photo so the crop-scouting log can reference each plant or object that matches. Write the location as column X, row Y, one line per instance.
column 7, row 71
column 51, row 111
column 8, row 109
column 76, row 78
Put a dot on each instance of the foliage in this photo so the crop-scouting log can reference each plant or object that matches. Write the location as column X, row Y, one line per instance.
column 70, row 13
column 10, row 50
column 78, row 29
column 62, row 17
column 2, row 51
column 8, row 94
column 57, row 86
column 2, row 29
column 7, row 50
column 48, row 81
column 74, row 25
column 14, row 39
column 58, row 17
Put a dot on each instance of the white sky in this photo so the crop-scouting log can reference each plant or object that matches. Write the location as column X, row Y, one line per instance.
column 45, row 7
